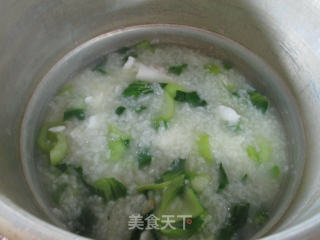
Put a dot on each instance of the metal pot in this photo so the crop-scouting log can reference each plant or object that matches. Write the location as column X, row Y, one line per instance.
column 35, row 35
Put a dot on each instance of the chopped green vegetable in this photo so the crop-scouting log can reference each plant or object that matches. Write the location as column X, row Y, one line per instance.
column 259, row 101
column 146, row 45
column 230, row 87
column 163, row 85
column 117, row 149
column 275, row 171
column 47, row 139
column 172, row 88
column 265, row 146
column 238, row 218
column 144, row 158
column 265, row 151
column 261, row 217
column 157, row 123
column 213, row 69
column 123, row 50
column 74, row 112
column 85, row 222
column 177, row 70
column 204, row 148
column 66, row 90
column 190, row 97
column 58, row 192
column 59, row 151
column 177, row 167
column 253, row 153
column 120, row 110
column 167, row 109
column 158, row 186
column 244, row 179
column 223, row 178
column 227, row 65
column 118, row 143
column 200, row 182
column 140, row 109
column 175, row 188
column 101, row 64
column 138, row 88
column 185, row 204
column 110, row 189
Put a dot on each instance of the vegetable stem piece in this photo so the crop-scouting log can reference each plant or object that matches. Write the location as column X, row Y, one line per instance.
column 59, row 151
column 118, row 143
column 204, row 148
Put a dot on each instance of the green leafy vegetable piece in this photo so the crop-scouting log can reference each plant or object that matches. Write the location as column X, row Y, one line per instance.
column 60, row 149
column 213, row 69
column 146, row 45
column 223, row 178
column 177, row 70
column 200, row 182
column 120, row 110
column 227, row 65
column 204, row 148
column 259, row 101
column 177, row 167
column 158, row 122
column 261, row 217
column 144, row 158
column 253, row 153
column 66, row 90
column 123, row 50
column 172, row 88
column 110, row 189
column 118, row 143
column 138, row 88
column 238, row 217
column 46, row 139
column 85, row 222
column 275, row 171
column 190, row 97
column 158, row 186
column 244, row 179
column 163, row 85
column 185, row 204
column 175, row 187
column 140, row 109
column 58, row 192
column 74, row 112
column 100, row 65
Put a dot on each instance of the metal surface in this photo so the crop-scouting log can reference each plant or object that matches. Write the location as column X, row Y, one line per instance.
column 35, row 34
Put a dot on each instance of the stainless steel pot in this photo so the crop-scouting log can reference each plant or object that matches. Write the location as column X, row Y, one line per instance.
column 35, row 34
